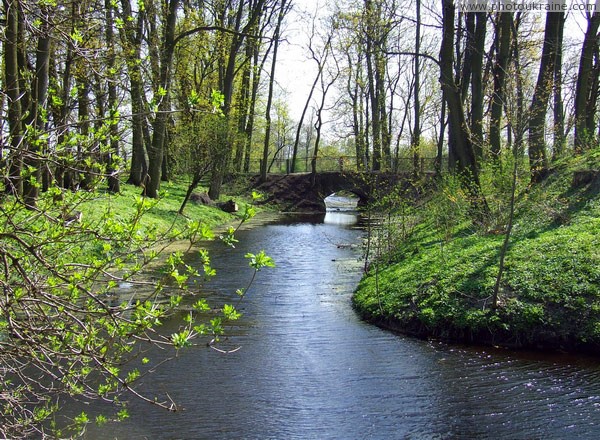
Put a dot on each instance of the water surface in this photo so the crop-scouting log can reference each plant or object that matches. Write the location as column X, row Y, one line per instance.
column 308, row 368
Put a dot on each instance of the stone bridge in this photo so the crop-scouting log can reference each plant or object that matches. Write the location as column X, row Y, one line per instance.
column 297, row 192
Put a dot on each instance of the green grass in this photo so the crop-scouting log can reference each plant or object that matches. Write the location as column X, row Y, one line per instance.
column 439, row 281
column 163, row 214
column 127, row 217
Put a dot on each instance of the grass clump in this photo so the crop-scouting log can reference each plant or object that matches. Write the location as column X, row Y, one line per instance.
column 439, row 279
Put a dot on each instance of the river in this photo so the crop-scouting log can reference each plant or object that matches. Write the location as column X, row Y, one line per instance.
column 308, row 368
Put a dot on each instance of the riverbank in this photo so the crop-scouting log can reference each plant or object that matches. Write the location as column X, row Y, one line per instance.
column 158, row 221
column 438, row 280
column 161, row 214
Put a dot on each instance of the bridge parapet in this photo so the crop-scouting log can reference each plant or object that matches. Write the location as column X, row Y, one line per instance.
column 299, row 193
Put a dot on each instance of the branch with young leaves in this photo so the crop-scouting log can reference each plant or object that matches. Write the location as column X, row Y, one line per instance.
column 67, row 329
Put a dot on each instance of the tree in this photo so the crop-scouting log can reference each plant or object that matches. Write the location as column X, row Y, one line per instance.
column 375, row 36
column 502, row 40
column 327, row 82
column 228, row 22
column 583, row 90
column 356, row 93
column 560, row 140
column 65, row 328
column 321, row 60
column 131, row 32
column 114, row 184
column 255, row 83
column 517, row 120
column 462, row 138
column 13, row 182
column 466, row 162
column 284, row 8
column 227, row 74
column 349, row 43
column 159, row 126
column 539, row 103
column 243, row 104
column 477, row 88
column 206, row 133
column 416, row 137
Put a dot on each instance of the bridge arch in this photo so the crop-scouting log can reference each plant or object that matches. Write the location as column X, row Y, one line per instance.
column 299, row 193
column 328, row 188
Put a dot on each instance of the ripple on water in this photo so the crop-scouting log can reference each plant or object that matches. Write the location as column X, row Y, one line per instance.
column 308, row 368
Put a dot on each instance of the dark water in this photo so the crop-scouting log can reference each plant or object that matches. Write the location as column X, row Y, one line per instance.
column 308, row 368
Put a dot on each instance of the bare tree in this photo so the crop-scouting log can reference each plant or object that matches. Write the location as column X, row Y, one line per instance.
column 321, row 59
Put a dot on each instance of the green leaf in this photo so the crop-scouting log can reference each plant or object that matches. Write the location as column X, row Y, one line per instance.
column 122, row 415
column 229, row 237
column 218, row 101
column 81, row 419
column 249, row 213
column 230, row 313
column 260, row 260
column 201, row 305
column 181, row 339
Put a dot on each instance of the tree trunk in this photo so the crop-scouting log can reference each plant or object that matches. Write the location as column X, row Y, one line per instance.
column 466, row 163
column 321, row 64
column 265, row 157
column 477, row 89
column 592, row 102
column 503, row 40
column 318, row 129
column 416, row 135
column 518, row 126
column 249, row 130
column 85, row 150
column 227, row 76
column 354, row 91
column 539, row 103
column 243, row 103
column 584, row 82
column 64, row 172
column 440, row 144
column 131, row 39
column 373, row 88
column 13, row 182
column 386, row 136
column 33, row 159
column 560, row 140
column 113, row 178
column 156, row 150
column 464, row 76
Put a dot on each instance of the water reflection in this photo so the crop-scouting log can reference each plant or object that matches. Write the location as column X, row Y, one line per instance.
column 340, row 218
column 341, row 202
column 341, row 210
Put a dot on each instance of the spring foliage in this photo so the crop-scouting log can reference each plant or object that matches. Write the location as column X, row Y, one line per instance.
column 84, row 295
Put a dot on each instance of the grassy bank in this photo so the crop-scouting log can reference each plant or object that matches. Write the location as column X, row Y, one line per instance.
column 88, row 225
column 161, row 214
column 438, row 279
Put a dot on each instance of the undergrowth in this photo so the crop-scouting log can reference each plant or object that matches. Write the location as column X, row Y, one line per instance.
column 437, row 279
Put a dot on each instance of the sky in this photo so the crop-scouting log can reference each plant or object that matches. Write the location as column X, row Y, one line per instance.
column 295, row 72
